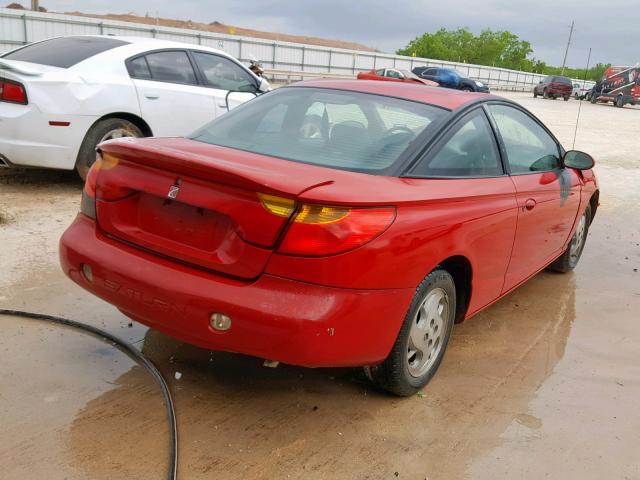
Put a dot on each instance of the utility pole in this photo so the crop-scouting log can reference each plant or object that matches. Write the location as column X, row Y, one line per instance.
column 564, row 62
column 35, row 5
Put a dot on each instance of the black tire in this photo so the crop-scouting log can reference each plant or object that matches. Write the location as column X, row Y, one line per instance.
column 95, row 135
column 576, row 97
column 570, row 258
column 566, row 99
column 467, row 89
column 393, row 375
column 545, row 94
column 619, row 101
column 535, row 94
column 593, row 98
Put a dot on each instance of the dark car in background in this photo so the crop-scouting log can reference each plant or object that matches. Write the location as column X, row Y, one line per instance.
column 554, row 86
column 450, row 78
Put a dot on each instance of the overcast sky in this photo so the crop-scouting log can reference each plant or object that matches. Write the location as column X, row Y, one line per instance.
column 610, row 27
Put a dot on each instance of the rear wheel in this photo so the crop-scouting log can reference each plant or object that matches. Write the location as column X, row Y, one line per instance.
column 467, row 89
column 103, row 130
column 569, row 259
column 535, row 94
column 545, row 94
column 593, row 98
column 423, row 338
column 566, row 99
column 576, row 96
column 619, row 101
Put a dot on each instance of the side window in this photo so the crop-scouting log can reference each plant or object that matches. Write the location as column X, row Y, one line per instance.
column 393, row 74
column 380, row 72
column 171, row 66
column 138, row 68
column 529, row 147
column 220, row 72
column 470, row 151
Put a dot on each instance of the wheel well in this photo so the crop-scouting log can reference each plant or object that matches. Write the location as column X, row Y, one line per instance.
column 136, row 120
column 460, row 269
column 593, row 202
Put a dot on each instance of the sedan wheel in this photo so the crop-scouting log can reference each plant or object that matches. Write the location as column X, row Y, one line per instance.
column 423, row 337
column 103, row 130
column 569, row 259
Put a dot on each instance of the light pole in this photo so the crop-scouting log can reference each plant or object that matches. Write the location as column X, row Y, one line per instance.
column 564, row 62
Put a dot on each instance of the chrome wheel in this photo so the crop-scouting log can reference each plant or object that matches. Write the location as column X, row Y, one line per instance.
column 117, row 133
column 427, row 334
column 575, row 248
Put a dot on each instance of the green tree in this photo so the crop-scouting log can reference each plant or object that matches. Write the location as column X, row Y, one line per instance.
column 500, row 49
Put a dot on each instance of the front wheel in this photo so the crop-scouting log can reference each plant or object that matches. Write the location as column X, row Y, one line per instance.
column 101, row 131
column 569, row 259
column 467, row 89
column 423, row 338
column 566, row 99
column 545, row 94
column 535, row 94
column 619, row 102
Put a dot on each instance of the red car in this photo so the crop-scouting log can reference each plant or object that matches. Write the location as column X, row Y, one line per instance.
column 554, row 86
column 358, row 243
column 395, row 75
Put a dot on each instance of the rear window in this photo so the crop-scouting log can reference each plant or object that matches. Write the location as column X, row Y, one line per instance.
column 63, row 52
column 562, row 80
column 333, row 128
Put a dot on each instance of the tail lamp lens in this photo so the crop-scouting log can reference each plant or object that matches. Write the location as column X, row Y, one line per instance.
column 322, row 230
column 103, row 162
column 12, row 92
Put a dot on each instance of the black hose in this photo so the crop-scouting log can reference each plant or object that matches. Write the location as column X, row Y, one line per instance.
column 135, row 355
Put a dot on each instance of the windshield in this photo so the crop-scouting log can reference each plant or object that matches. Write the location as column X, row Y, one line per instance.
column 409, row 74
column 333, row 128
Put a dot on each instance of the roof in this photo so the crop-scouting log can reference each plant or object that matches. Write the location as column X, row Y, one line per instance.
column 438, row 96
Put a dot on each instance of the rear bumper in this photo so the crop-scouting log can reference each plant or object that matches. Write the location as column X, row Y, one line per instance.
column 272, row 317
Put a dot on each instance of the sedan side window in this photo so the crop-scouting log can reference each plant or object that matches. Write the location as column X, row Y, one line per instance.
column 220, row 72
column 529, row 147
column 469, row 151
column 171, row 66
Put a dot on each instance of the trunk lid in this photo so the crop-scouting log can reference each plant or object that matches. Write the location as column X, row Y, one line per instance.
column 197, row 203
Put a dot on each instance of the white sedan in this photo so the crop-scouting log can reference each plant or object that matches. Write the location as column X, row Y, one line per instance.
column 60, row 97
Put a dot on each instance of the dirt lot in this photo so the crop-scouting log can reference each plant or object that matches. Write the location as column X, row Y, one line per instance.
column 544, row 384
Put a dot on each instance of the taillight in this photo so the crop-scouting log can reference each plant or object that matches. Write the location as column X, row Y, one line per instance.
column 13, row 92
column 318, row 230
column 88, row 203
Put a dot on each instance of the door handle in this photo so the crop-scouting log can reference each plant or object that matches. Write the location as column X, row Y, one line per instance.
column 529, row 204
column 152, row 96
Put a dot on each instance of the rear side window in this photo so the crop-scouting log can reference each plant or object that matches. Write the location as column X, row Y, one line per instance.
column 171, row 66
column 333, row 128
column 468, row 151
column 63, row 52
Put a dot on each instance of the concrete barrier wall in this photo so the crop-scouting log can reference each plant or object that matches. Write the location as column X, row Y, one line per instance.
column 18, row 27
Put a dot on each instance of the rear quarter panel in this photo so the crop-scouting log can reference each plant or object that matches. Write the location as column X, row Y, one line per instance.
column 436, row 219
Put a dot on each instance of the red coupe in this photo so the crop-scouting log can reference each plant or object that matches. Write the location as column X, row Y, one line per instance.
column 395, row 75
column 360, row 241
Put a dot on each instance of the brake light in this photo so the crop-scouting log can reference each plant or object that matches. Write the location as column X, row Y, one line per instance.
column 12, row 92
column 318, row 230
column 88, row 203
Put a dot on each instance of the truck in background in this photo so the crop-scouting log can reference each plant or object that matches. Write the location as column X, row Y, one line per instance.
column 620, row 85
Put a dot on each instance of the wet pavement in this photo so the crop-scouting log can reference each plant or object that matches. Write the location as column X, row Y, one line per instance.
column 545, row 383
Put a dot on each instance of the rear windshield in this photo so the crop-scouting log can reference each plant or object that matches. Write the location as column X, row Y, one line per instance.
column 333, row 128
column 63, row 52
column 562, row 80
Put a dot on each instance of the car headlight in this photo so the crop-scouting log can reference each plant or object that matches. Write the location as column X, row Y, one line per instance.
column 479, row 84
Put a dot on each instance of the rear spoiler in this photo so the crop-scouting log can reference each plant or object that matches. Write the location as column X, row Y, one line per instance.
column 17, row 67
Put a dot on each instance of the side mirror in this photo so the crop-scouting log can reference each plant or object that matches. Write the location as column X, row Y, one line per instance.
column 263, row 86
column 233, row 98
column 578, row 160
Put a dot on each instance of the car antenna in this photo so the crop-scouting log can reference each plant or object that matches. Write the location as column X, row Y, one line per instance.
column 584, row 81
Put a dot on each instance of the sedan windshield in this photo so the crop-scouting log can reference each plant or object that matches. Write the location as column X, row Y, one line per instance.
column 333, row 128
